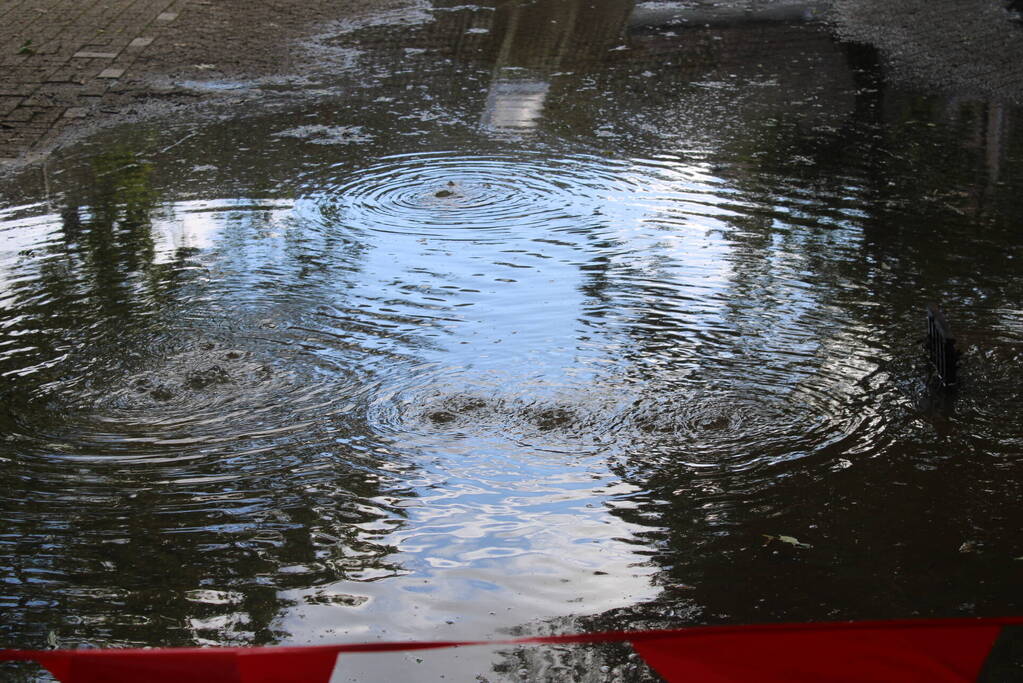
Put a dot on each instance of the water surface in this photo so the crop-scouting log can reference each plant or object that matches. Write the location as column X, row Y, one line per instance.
column 536, row 319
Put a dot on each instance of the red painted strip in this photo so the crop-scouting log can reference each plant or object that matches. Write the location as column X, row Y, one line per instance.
column 943, row 650
column 944, row 654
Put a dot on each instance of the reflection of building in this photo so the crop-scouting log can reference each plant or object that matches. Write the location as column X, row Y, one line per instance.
column 544, row 60
column 546, row 37
column 539, row 53
column 536, row 41
column 514, row 105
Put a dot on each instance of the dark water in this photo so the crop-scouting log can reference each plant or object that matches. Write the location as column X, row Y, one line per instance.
column 531, row 319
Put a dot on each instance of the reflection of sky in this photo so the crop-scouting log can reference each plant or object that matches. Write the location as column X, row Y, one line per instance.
column 501, row 531
column 515, row 105
column 23, row 228
column 487, row 561
column 497, row 305
column 520, row 305
column 509, row 522
column 200, row 224
column 678, row 240
column 189, row 225
column 498, row 533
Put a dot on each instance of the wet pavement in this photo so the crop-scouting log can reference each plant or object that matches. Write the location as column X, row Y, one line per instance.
column 515, row 319
column 60, row 59
column 971, row 48
column 68, row 67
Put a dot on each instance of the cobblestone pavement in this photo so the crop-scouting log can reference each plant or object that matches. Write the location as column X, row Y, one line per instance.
column 65, row 64
column 59, row 59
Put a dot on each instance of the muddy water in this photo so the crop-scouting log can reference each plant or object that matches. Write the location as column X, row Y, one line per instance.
column 531, row 318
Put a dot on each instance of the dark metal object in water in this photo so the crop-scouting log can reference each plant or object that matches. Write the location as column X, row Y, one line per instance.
column 941, row 347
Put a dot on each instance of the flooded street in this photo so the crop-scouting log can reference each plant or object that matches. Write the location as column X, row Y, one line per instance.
column 517, row 319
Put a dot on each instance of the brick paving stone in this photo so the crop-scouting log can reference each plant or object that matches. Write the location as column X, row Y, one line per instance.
column 93, row 89
column 66, row 74
column 37, row 99
column 28, row 75
column 66, row 60
column 9, row 104
column 47, row 115
column 63, row 60
column 20, row 115
column 16, row 89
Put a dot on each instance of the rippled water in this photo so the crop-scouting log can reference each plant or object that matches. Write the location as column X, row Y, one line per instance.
column 511, row 338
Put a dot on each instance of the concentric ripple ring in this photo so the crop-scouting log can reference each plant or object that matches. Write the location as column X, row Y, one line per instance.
column 449, row 195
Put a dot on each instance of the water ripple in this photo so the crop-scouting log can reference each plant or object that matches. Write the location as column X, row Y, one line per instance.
column 454, row 196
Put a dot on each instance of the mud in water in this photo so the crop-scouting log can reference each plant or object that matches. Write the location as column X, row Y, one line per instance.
column 535, row 318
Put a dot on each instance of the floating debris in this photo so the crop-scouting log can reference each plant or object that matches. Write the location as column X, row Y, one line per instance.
column 317, row 134
column 791, row 540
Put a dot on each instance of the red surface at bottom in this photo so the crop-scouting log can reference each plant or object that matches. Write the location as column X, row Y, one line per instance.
column 230, row 665
column 934, row 655
column 939, row 651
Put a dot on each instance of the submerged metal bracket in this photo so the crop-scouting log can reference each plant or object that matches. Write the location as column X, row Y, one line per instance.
column 941, row 347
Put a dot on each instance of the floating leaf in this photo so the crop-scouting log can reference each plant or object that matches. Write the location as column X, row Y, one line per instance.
column 791, row 540
column 794, row 541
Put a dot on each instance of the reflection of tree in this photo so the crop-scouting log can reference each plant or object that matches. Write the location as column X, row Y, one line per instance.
column 68, row 293
column 122, row 539
column 118, row 239
column 98, row 274
column 887, row 200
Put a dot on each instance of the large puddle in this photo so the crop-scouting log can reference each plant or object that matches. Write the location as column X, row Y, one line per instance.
column 534, row 318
